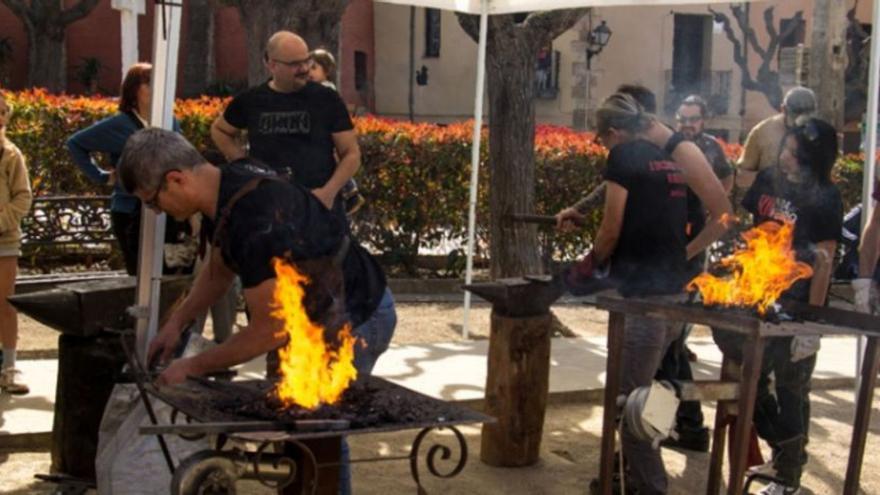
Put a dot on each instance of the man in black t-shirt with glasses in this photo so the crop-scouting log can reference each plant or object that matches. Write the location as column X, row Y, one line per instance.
column 293, row 125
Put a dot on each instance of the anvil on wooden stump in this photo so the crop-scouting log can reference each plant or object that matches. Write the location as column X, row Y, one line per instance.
column 89, row 358
column 518, row 376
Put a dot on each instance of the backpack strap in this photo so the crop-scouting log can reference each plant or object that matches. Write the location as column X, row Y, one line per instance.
column 249, row 187
column 223, row 219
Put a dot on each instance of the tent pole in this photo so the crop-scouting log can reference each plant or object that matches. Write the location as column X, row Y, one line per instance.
column 475, row 158
column 166, row 41
column 869, row 171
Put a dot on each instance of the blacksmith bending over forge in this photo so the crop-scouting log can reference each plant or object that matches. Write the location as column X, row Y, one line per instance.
column 252, row 217
column 642, row 236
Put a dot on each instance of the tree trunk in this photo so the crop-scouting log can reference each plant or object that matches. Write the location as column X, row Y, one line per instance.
column 828, row 59
column 45, row 22
column 513, row 44
column 320, row 31
column 516, row 390
column 198, row 63
column 47, row 67
column 317, row 21
column 511, row 78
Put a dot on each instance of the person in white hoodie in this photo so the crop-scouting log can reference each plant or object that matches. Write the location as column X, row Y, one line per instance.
column 15, row 202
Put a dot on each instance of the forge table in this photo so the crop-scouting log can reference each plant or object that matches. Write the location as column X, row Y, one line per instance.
column 810, row 320
column 227, row 409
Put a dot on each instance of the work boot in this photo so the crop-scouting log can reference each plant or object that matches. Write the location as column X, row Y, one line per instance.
column 8, row 383
column 790, row 460
column 696, row 440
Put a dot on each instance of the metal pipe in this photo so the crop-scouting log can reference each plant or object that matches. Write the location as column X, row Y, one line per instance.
column 475, row 158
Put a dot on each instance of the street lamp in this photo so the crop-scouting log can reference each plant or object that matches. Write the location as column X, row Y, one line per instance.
column 597, row 40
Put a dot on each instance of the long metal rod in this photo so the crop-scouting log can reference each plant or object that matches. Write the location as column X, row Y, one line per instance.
column 475, row 158
column 166, row 43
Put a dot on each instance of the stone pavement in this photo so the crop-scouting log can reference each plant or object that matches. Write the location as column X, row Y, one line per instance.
column 451, row 371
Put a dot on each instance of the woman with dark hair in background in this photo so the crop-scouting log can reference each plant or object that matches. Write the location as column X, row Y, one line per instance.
column 109, row 136
column 799, row 191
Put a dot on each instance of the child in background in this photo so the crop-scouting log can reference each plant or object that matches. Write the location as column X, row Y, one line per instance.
column 323, row 72
column 323, row 69
column 15, row 201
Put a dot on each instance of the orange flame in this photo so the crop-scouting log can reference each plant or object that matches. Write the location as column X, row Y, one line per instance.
column 313, row 372
column 760, row 272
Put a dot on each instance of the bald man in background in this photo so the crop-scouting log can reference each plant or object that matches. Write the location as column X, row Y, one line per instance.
column 293, row 125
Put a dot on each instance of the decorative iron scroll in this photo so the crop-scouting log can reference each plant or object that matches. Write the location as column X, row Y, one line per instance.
column 68, row 220
column 431, row 458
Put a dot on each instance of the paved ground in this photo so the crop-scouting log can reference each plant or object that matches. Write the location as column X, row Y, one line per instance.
column 428, row 345
column 569, row 459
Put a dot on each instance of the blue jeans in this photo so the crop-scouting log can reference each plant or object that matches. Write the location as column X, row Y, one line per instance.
column 376, row 332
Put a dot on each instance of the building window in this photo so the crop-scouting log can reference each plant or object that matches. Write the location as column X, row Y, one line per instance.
column 796, row 32
column 432, row 32
column 360, row 70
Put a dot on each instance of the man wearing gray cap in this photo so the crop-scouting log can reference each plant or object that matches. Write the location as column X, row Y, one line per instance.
column 763, row 143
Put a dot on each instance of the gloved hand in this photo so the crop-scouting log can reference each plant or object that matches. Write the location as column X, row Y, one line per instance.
column 584, row 277
column 865, row 294
column 581, row 270
column 804, row 346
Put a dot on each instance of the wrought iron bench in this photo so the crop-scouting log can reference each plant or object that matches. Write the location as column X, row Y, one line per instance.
column 63, row 226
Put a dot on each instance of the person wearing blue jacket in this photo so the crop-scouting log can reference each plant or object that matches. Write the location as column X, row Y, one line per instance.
column 109, row 136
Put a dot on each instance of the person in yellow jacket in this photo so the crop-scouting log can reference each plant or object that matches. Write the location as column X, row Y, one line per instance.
column 15, row 201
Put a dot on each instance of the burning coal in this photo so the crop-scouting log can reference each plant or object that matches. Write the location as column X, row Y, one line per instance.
column 757, row 273
column 313, row 371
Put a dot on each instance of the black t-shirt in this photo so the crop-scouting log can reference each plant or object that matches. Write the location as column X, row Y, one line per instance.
column 280, row 219
column 292, row 132
column 715, row 156
column 817, row 213
column 650, row 255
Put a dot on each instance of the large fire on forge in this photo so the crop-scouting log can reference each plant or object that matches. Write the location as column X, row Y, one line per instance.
column 313, row 371
column 757, row 273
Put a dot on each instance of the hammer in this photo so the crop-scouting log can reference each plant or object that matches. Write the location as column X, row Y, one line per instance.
column 589, row 202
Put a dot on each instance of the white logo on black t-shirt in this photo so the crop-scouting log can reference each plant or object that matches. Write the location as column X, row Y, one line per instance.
column 296, row 122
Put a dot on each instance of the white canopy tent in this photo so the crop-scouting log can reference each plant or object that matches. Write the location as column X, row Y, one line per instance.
column 167, row 34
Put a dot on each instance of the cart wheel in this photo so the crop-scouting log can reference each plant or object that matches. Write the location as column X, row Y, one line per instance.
column 205, row 473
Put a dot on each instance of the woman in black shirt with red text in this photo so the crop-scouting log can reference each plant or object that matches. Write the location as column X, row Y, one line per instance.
column 642, row 237
column 798, row 190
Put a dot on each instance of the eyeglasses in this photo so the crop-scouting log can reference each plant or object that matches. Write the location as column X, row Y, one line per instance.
column 689, row 120
column 294, row 64
column 153, row 202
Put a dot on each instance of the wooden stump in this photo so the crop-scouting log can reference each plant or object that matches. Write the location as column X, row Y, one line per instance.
column 517, row 383
column 88, row 368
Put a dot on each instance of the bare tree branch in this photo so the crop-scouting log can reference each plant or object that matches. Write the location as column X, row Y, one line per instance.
column 77, row 12
column 552, row 23
column 739, row 56
column 745, row 26
column 470, row 23
column 20, row 9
